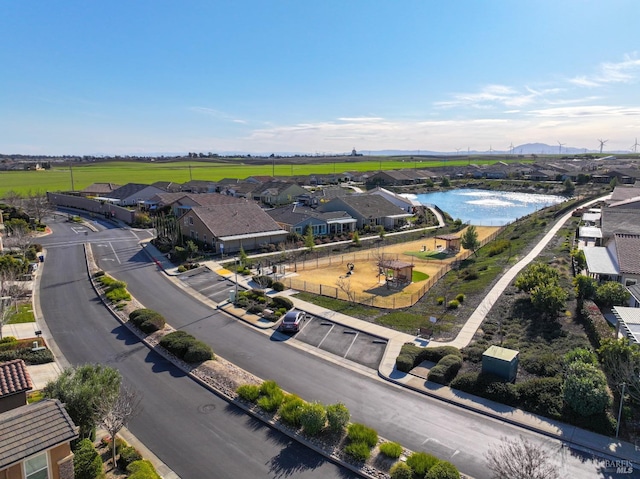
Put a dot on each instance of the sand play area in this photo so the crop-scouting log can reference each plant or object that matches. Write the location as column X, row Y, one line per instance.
column 427, row 255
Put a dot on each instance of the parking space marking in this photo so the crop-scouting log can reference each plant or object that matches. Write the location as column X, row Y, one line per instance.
column 325, row 336
column 349, row 348
column 306, row 321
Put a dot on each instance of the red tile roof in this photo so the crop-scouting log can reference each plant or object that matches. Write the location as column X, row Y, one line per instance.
column 14, row 378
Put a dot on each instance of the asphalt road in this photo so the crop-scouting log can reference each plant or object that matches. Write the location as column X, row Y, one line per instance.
column 418, row 422
column 193, row 431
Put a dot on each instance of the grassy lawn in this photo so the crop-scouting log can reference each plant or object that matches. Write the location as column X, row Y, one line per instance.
column 122, row 172
column 356, row 310
column 23, row 315
column 418, row 276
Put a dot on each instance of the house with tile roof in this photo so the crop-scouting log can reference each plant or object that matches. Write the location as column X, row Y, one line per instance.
column 35, row 442
column 617, row 261
column 278, row 193
column 296, row 218
column 226, row 228
column 132, row 194
column 199, row 186
column 179, row 203
column 15, row 383
column 369, row 210
column 98, row 189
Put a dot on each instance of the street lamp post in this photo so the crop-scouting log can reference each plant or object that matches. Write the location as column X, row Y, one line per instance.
column 620, row 409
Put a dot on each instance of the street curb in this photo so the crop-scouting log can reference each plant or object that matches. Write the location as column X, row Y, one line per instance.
column 273, row 424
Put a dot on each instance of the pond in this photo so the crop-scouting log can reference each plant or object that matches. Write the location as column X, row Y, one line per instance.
column 485, row 207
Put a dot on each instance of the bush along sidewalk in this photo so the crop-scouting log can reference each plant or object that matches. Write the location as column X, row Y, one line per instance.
column 328, row 428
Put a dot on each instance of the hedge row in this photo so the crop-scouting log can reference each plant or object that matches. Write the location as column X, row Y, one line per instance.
column 595, row 324
column 186, row 347
column 542, row 396
column 147, row 320
column 446, row 369
column 142, row 470
column 315, row 418
column 411, row 355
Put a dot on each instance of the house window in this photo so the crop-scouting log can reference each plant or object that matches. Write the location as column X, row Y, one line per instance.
column 36, row 467
column 204, row 239
column 190, row 220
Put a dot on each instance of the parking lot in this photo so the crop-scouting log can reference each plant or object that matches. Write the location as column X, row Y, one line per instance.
column 209, row 284
column 342, row 341
column 320, row 333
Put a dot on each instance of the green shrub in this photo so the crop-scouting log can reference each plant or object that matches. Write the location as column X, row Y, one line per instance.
column 453, row 304
column 142, row 470
column 460, row 298
column 271, row 396
column 595, row 324
column 177, row 342
column 360, row 433
column 446, row 369
column 359, row 451
column 542, row 396
column 585, row 389
column 30, row 357
column 421, row 462
column 391, row 449
column 313, row 418
column 147, row 320
column 182, row 269
column 117, row 295
column 400, row 470
column 411, row 355
column 497, row 247
column 291, row 410
column 87, row 463
column 443, row 470
column 198, row 352
column 440, row 300
column 248, row 392
column 128, row 454
column 338, row 417
column 278, row 286
column 278, row 302
column 8, row 339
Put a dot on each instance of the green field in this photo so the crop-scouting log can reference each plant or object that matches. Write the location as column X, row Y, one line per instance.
column 123, row 172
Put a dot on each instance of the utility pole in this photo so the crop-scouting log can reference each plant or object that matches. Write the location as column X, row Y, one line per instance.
column 620, row 408
column 71, row 171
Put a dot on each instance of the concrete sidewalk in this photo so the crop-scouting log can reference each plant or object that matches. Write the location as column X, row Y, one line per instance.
column 603, row 445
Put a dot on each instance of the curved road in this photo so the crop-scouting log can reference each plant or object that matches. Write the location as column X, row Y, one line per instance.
column 193, row 431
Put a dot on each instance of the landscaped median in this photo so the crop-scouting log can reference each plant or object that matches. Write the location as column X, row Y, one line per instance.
column 325, row 429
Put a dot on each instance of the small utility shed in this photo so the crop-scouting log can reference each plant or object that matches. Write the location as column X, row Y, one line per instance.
column 500, row 362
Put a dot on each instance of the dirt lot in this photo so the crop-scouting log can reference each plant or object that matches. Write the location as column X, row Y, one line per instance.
column 365, row 281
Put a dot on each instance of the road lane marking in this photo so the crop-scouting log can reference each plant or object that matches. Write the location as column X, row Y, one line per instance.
column 114, row 253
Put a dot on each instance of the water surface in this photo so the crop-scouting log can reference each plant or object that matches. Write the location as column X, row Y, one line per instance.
column 485, row 207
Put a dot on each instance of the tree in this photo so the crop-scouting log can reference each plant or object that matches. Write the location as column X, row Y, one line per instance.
column 621, row 361
column 579, row 257
column 192, row 249
column 81, row 390
column 10, row 288
column 309, row 240
column 469, row 239
column 36, row 205
column 356, row 238
column 520, row 459
column 585, row 389
column 549, row 299
column 534, row 275
column 569, row 187
column 585, row 286
column 611, row 294
column 345, row 286
column 445, row 182
column 115, row 412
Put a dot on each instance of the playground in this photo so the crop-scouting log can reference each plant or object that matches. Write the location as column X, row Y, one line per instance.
column 408, row 270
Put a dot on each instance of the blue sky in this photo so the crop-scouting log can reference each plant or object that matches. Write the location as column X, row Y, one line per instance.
column 158, row 76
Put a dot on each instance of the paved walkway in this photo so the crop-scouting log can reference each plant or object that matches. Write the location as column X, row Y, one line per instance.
column 605, row 446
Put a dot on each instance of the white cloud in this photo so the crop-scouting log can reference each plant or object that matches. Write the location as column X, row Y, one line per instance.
column 625, row 71
column 217, row 114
